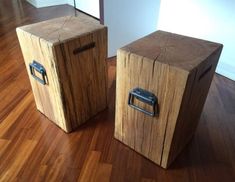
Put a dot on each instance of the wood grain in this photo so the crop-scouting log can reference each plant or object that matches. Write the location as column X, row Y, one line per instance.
column 76, row 86
column 174, row 68
column 63, row 29
column 191, row 107
column 93, row 170
column 84, row 81
column 145, row 134
column 61, row 157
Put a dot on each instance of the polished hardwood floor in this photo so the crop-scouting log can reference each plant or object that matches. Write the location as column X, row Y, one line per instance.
column 34, row 149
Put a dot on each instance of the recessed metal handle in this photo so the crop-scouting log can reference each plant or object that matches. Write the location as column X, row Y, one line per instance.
column 35, row 66
column 84, row 48
column 146, row 97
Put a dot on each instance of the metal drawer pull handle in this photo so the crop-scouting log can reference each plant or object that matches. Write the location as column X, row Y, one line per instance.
column 84, row 48
column 40, row 69
column 146, row 97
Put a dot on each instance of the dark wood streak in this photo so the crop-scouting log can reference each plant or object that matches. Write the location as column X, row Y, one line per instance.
column 65, row 100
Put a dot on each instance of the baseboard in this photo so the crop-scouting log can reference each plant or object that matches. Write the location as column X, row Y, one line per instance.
column 226, row 70
column 43, row 3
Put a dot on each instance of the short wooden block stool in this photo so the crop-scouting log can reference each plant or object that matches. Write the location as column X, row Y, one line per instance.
column 162, row 84
column 66, row 63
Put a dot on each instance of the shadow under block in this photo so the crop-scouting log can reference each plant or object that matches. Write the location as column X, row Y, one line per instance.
column 73, row 52
column 178, row 70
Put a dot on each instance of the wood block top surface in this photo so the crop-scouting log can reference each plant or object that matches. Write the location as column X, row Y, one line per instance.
column 62, row 29
column 172, row 49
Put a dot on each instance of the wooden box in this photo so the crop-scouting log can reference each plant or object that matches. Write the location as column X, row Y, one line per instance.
column 171, row 75
column 66, row 63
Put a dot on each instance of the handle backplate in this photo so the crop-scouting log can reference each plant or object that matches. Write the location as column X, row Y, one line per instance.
column 35, row 66
column 146, row 97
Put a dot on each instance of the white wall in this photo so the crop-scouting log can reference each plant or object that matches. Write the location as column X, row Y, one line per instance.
column 70, row 2
column 89, row 6
column 45, row 3
column 128, row 20
column 207, row 19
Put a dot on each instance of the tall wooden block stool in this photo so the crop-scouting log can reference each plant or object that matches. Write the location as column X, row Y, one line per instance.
column 66, row 63
column 162, row 84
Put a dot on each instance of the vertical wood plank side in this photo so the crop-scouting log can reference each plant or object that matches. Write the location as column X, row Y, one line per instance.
column 143, row 133
column 60, row 97
column 100, row 37
column 27, row 53
column 54, row 89
column 176, row 83
column 64, row 72
column 83, row 77
column 192, row 105
column 118, row 133
column 46, row 96
column 171, row 128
